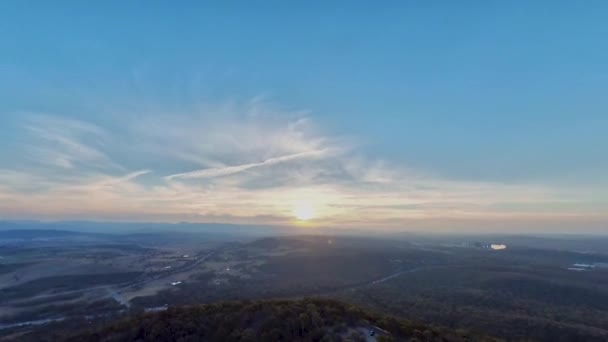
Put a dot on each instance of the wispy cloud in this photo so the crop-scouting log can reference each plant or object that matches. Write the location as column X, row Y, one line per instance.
column 61, row 142
column 248, row 163
column 230, row 170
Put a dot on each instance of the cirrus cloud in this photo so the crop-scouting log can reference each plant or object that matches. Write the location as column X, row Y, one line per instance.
column 248, row 163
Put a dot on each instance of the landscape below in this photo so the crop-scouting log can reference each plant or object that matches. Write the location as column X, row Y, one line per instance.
column 60, row 284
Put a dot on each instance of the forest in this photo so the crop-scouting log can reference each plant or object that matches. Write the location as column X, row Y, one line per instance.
column 312, row 319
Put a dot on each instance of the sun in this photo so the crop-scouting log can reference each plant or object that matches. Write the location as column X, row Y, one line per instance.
column 303, row 211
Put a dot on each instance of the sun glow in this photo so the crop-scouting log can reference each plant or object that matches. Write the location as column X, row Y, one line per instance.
column 303, row 211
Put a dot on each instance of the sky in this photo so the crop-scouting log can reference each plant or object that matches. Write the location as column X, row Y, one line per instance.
column 409, row 115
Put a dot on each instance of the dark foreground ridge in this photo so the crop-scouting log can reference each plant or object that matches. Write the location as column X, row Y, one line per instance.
column 271, row 320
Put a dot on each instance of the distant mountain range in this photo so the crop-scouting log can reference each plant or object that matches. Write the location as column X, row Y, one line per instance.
column 137, row 227
column 36, row 233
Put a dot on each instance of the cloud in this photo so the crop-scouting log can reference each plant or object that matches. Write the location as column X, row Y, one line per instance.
column 230, row 170
column 62, row 142
column 252, row 163
column 107, row 181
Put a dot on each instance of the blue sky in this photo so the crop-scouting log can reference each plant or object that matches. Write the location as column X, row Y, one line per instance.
column 402, row 114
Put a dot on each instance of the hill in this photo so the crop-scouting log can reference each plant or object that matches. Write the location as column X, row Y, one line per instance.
column 271, row 320
column 36, row 233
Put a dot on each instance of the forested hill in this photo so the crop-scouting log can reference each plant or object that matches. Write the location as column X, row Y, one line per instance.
column 271, row 320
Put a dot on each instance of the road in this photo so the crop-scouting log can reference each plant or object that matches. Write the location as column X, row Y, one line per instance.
column 112, row 291
column 171, row 272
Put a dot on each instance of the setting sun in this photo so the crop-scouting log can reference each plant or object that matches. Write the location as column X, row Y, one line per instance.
column 303, row 212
